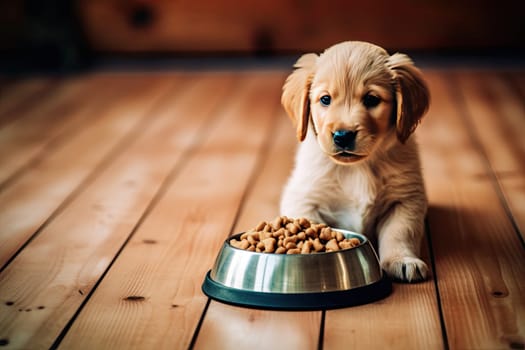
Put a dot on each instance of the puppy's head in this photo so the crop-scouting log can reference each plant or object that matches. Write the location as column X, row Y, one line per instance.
column 355, row 94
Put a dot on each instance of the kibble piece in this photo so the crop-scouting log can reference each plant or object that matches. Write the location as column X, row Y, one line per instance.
column 278, row 233
column 292, row 228
column 244, row 244
column 277, row 223
column 293, row 251
column 252, row 240
column 326, row 234
column 261, row 225
column 265, row 234
column 332, row 245
column 290, row 245
column 235, row 243
column 339, row 236
column 306, row 248
column 310, row 232
column 269, row 245
column 280, row 250
column 290, row 239
column 347, row 243
column 304, row 222
column 318, row 246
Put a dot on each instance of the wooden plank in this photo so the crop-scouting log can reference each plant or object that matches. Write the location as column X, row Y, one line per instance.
column 24, row 139
column 496, row 115
column 36, row 195
column 21, row 94
column 52, row 276
column 262, row 201
column 518, row 80
column 151, row 297
column 479, row 258
column 5, row 84
column 227, row 327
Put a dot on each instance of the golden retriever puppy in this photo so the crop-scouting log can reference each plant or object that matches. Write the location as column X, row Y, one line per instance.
column 355, row 108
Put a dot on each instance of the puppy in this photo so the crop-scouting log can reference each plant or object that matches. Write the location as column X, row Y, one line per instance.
column 355, row 108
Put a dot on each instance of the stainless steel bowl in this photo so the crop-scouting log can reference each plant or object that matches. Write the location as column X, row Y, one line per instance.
column 302, row 281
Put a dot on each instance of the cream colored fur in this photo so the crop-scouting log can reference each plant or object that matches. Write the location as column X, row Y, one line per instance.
column 377, row 187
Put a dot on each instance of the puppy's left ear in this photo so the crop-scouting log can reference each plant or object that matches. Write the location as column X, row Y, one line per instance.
column 412, row 95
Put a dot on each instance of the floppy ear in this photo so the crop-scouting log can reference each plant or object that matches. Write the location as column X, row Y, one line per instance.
column 295, row 98
column 412, row 95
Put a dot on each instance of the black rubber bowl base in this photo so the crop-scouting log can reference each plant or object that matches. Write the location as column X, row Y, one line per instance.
column 297, row 301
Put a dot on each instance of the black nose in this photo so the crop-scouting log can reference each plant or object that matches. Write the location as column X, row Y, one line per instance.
column 344, row 139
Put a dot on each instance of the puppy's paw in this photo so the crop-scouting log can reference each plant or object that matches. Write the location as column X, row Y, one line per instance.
column 405, row 269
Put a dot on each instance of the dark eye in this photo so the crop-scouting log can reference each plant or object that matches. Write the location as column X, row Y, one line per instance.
column 371, row 101
column 325, row 100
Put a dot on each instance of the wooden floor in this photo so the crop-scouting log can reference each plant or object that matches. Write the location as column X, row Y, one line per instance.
column 118, row 189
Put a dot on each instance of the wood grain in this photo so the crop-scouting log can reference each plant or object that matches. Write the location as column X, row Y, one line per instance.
column 229, row 327
column 44, row 285
column 263, row 197
column 497, row 117
column 28, row 136
column 22, row 94
column 407, row 319
column 35, row 195
column 166, row 259
column 518, row 81
column 479, row 258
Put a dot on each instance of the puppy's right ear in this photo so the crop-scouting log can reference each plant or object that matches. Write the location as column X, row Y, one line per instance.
column 296, row 89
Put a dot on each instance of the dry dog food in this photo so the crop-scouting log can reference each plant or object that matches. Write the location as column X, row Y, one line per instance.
column 293, row 236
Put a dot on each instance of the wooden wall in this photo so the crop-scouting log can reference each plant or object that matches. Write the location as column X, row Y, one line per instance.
column 137, row 26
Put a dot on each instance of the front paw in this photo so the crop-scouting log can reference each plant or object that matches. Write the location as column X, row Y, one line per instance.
column 405, row 269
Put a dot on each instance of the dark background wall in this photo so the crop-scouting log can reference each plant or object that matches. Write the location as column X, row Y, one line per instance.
column 61, row 33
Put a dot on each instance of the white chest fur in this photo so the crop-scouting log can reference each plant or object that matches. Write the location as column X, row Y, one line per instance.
column 323, row 191
column 351, row 193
